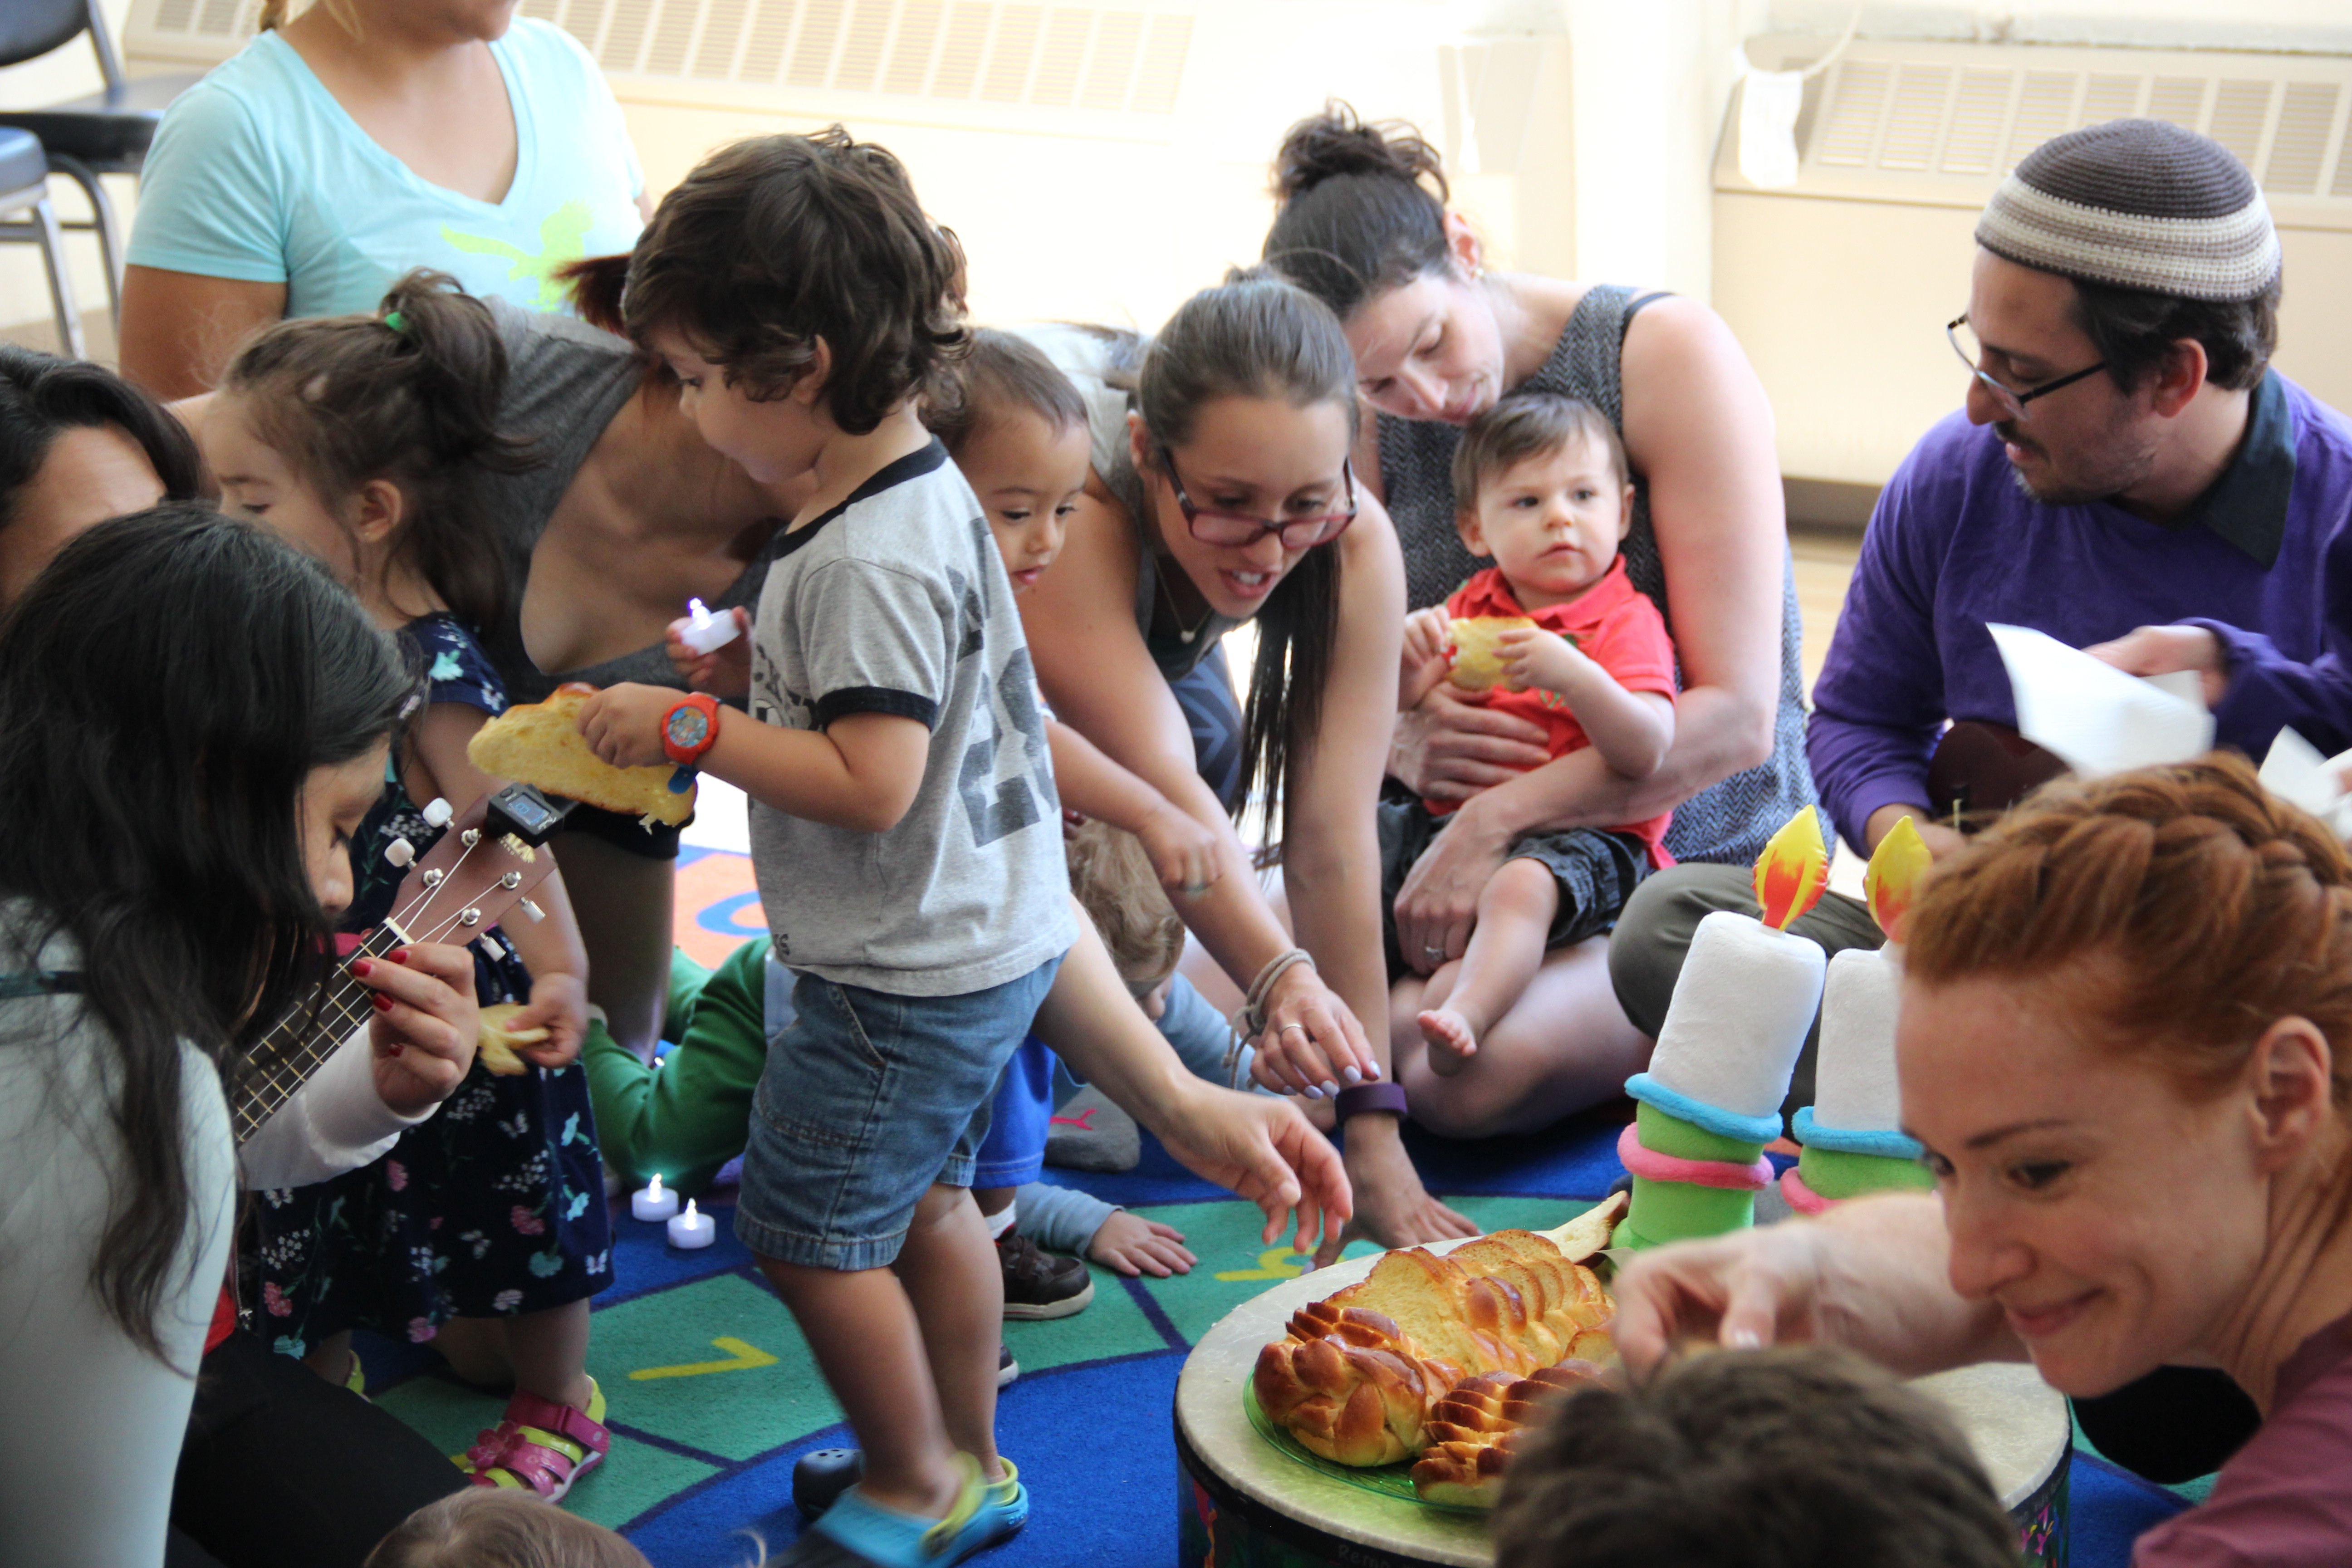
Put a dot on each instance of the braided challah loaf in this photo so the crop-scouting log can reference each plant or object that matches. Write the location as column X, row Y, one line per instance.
column 1356, row 1378
column 1472, row 1431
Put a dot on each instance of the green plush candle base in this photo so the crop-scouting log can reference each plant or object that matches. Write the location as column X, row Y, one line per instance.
column 1834, row 1174
column 1662, row 1133
column 1677, row 1211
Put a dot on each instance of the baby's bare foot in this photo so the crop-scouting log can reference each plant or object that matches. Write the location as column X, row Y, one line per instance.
column 1452, row 1041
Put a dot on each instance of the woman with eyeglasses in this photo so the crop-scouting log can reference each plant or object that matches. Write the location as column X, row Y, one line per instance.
column 1223, row 493
column 1438, row 338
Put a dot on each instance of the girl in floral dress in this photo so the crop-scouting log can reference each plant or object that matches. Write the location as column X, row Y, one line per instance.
column 485, row 1230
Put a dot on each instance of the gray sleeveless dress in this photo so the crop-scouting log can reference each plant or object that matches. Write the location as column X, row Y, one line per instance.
column 1727, row 823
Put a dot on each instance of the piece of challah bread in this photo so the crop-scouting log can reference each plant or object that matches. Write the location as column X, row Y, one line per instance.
column 495, row 1047
column 1478, row 656
column 1472, row 1430
column 1356, row 1392
column 540, row 743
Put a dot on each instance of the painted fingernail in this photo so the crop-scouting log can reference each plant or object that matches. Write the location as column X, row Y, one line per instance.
column 392, row 1049
column 382, row 1003
column 1351, row 1075
column 363, row 967
column 1311, row 1092
column 1330, row 1088
column 1373, row 1071
column 398, row 955
column 1743, row 1340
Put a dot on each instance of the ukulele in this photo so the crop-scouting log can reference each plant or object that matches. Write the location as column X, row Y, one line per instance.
column 487, row 863
column 1980, row 769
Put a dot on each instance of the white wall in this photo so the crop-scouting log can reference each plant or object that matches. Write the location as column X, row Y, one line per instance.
column 2323, row 27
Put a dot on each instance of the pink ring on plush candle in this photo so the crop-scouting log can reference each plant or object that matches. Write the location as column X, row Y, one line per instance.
column 1650, row 1165
column 1802, row 1198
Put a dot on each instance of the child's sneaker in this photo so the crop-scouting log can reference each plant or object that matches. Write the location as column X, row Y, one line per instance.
column 1040, row 1284
column 857, row 1531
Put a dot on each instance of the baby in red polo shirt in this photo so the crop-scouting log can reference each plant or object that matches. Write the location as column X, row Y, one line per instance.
column 1542, row 485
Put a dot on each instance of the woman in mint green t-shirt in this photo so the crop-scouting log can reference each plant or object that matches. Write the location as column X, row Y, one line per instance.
column 361, row 140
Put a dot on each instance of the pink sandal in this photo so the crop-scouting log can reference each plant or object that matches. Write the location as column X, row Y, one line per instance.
column 540, row 1447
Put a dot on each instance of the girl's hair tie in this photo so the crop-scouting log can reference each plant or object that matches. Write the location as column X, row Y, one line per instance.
column 396, row 320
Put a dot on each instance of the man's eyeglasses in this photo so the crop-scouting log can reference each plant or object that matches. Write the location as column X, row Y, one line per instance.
column 1963, row 339
column 1237, row 529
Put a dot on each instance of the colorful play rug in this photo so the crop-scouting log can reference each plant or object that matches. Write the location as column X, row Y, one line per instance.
column 713, row 1393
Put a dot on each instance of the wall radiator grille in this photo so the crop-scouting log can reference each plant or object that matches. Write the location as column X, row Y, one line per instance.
column 963, row 61
column 1942, row 123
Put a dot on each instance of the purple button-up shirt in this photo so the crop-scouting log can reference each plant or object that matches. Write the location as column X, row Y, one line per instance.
column 1955, row 543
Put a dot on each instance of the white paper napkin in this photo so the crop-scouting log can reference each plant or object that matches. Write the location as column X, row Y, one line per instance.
column 2093, row 716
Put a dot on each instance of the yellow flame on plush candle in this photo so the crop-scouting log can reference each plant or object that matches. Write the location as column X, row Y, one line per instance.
column 1897, row 870
column 1792, row 871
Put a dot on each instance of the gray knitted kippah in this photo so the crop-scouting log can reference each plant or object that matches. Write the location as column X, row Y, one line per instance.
column 2139, row 204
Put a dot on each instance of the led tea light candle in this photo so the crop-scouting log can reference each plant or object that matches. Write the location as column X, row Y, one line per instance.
column 692, row 1230
column 707, row 633
column 656, row 1202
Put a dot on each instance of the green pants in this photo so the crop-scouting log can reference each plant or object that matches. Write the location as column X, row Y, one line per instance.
column 1645, row 955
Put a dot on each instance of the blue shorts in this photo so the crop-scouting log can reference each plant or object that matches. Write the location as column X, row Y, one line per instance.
column 1013, row 1153
column 868, row 1099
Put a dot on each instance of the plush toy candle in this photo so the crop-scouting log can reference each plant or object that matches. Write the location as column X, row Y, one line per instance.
column 1711, row 1099
column 1853, row 1132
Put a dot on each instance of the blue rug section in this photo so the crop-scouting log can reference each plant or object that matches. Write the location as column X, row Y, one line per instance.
column 1092, row 1443
column 2110, row 1506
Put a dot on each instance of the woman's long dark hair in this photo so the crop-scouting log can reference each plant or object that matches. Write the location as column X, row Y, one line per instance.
column 42, row 396
column 1257, row 336
column 167, row 687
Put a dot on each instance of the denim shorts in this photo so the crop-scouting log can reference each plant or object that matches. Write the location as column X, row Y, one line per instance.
column 1596, row 871
column 868, row 1099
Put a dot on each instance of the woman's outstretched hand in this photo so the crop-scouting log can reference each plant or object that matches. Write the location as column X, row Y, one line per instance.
column 1312, row 1043
column 426, row 1024
column 1264, row 1149
column 1438, row 904
column 1744, row 1290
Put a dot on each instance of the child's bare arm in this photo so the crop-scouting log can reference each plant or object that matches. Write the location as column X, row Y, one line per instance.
column 1632, row 730
column 550, row 948
column 1428, row 650
column 861, row 773
column 1185, row 854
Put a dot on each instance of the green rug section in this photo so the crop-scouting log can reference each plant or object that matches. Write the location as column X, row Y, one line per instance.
column 634, row 1477
column 1836, row 1174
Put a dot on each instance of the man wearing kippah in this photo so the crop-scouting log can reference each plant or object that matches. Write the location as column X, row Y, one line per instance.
column 2125, row 457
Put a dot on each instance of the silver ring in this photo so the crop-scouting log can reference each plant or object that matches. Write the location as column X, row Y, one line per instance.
column 1288, row 1027
column 1434, row 954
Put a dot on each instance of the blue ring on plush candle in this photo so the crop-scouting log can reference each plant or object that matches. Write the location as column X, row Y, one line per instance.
column 1699, row 1113
column 1886, row 1145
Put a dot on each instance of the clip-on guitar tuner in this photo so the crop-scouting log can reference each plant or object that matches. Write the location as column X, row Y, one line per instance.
column 529, row 813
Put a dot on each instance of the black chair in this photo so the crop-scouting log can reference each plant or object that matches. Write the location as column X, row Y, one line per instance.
column 107, row 132
column 25, row 217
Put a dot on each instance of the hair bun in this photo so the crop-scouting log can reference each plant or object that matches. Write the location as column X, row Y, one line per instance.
column 1338, row 142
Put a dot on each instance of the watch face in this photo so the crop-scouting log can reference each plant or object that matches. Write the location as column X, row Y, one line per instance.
column 687, row 726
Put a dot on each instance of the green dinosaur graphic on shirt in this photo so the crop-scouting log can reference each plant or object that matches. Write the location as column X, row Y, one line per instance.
column 562, row 237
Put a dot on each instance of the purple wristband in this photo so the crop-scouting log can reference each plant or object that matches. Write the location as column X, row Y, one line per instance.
column 1366, row 1096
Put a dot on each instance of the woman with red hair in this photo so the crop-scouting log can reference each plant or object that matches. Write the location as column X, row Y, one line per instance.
column 2126, row 1017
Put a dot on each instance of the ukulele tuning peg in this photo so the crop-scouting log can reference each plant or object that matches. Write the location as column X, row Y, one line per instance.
column 471, row 837
column 491, row 948
column 530, row 912
column 400, row 852
column 433, row 878
column 437, row 811
column 470, row 917
column 510, row 881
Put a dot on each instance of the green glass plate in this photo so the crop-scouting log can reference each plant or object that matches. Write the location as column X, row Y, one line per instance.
column 1382, row 1480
